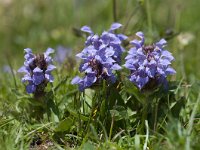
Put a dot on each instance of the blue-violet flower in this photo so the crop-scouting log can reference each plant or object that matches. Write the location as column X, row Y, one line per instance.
column 37, row 69
column 148, row 63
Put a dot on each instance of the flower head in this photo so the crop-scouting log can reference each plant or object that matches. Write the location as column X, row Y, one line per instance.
column 148, row 63
column 107, row 40
column 37, row 69
column 101, row 56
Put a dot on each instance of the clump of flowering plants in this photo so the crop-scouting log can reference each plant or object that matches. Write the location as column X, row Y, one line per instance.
column 37, row 69
column 149, row 64
column 101, row 56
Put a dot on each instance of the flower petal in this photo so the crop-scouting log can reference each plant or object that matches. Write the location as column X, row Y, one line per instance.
column 38, row 78
column 27, row 77
column 87, row 29
column 48, row 51
column 23, row 69
column 90, row 79
column 50, row 67
column 141, row 81
column 30, row 88
column 122, row 37
column 76, row 80
column 136, row 43
column 37, row 70
column 28, row 50
column 115, row 26
column 116, row 67
column 49, row 77
column 161, row 43
column 170, row 71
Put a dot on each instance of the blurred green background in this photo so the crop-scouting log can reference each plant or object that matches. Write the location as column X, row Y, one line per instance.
column 39, row 24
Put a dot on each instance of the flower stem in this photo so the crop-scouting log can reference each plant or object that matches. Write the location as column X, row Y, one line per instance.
column 111, row 128
column 144, row 113
column 155, row 116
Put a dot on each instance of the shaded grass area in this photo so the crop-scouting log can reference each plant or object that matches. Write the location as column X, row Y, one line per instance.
column 64, row 116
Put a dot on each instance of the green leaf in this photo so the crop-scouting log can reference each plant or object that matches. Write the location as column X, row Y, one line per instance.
column 64, row 125
column 88, row 146
column 177, row 106
column 76, row 115
column 4, row 122
column 60, row 83
column 119, row 113
column 51, row 106
column 103, row 109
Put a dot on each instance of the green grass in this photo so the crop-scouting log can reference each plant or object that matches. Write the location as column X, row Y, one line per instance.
column 68, row 119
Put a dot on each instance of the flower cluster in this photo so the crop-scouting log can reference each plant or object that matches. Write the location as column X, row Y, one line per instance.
column 101, row 56
column 37, row 69
column 148, row 63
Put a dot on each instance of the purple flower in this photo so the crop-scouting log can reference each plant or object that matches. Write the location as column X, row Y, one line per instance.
column 101, row 56
column 108, row 39
column 148, row 63
column 37, row 69
column 61, row 54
